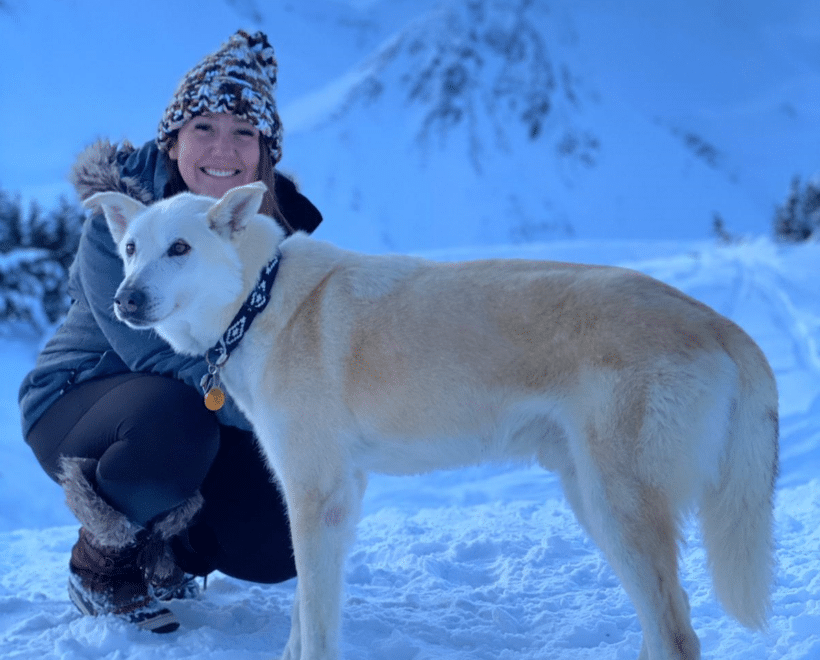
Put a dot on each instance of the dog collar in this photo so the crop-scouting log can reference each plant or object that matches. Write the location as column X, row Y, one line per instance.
column 218, row 355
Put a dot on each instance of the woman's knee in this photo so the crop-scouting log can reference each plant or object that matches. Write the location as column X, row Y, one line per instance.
column 158, row 409
column 165, row 445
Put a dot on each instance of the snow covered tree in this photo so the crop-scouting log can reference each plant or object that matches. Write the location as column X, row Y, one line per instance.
column 36, row 249
column 798, row 217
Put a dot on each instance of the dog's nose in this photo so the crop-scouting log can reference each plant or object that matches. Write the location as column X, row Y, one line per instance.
column 129, row 301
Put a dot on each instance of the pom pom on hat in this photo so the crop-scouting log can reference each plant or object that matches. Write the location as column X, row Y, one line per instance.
column 239, row 79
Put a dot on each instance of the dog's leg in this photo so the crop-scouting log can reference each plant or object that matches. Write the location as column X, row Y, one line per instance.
column 636, row 528
column 293, row 649
column 323, row 494
column 572, row 490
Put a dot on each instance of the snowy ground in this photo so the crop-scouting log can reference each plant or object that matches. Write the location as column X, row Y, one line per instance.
column 483, row 563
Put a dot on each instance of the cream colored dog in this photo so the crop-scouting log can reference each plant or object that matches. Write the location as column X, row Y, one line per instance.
column 646, row 402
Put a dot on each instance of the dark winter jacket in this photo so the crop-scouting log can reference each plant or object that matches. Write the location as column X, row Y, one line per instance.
column 91, row 342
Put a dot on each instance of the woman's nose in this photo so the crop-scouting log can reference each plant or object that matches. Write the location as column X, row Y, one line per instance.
column 223, row 144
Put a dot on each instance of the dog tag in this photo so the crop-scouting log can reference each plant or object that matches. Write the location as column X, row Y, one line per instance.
column 214, row 399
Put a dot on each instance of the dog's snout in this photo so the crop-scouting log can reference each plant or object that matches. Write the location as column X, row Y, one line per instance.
column 129, row 301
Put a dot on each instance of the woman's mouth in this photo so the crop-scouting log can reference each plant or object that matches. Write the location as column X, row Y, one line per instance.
column 220, row 173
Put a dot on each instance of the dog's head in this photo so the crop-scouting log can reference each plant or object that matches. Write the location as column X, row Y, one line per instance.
column 181, row 260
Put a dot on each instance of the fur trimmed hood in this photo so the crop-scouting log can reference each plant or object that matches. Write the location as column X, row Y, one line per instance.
column 99, row 168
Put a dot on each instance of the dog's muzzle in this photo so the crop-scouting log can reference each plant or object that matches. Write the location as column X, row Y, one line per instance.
column 129, row 304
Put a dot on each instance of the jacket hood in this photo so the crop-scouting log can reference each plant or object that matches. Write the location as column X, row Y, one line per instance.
column 104, row 167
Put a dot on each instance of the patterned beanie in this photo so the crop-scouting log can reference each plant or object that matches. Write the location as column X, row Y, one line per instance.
column 239, row 79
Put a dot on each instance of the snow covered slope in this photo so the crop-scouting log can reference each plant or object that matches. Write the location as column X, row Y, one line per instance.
column 482, row 563
column 437, row 123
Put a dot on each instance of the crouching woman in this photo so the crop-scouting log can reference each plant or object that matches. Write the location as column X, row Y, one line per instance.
column 164, row 489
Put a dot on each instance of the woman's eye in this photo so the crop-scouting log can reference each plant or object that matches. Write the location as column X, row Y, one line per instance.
column 179, row 248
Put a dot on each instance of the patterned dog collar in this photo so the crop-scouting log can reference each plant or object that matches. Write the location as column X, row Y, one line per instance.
column 218, row 355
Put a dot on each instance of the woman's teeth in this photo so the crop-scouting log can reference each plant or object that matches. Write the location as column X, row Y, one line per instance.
column 220, row 173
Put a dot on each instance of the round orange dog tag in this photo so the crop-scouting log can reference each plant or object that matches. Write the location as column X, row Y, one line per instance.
column 214, row 399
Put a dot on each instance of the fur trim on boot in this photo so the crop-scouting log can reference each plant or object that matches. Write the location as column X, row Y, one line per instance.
column 114, row 559
column 168, row 581
column 108, row 527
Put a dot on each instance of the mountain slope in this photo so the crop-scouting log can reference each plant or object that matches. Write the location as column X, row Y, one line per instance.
column 489, row 121
column 418, row 125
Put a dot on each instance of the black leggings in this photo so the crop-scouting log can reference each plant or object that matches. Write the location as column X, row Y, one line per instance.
column 157, row 444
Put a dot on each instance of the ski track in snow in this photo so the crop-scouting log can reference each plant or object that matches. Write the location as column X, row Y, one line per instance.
column 481, row 563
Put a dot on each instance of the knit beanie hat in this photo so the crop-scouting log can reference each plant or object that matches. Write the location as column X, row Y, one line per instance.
column 239, row 79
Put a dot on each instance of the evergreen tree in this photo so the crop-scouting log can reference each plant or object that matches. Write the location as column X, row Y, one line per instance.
column 36, row 249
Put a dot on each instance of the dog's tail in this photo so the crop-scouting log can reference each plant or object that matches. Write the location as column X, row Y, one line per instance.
column 737, row 512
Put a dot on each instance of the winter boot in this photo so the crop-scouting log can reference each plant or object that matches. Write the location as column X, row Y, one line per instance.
column 114, row 559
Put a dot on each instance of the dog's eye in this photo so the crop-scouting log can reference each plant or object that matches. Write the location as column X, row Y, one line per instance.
column 130, row 249
column 179, row 248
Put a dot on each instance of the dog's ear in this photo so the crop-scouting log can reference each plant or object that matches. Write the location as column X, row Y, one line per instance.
column 237, row 206
column 118, row 209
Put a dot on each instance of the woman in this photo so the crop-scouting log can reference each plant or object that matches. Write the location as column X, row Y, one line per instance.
column 164, row 489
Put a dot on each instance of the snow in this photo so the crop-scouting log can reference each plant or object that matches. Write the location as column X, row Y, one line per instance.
column 669, row 113
column 485, row 562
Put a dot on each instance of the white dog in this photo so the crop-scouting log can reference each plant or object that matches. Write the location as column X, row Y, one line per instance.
column 646, row 402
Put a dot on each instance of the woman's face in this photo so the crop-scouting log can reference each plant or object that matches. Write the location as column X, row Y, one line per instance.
column 216, row 152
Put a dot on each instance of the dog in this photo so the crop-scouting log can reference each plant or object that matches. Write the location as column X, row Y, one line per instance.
column 647, row 403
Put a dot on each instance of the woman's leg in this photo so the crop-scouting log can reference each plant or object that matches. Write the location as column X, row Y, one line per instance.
column 152, row 437
column 156, row 444
column 130, row 452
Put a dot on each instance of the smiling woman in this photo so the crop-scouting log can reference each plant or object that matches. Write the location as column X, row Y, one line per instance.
column 215, row 153
column 222, row 111
column 164, row 488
